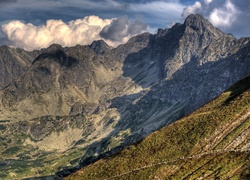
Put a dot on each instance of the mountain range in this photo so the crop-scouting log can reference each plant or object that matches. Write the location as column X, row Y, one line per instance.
column 63, row 108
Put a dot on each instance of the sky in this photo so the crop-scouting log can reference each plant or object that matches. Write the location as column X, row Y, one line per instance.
column 36, row 24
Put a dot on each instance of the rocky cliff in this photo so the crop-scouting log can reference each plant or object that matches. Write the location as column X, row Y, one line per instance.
column 14, row 62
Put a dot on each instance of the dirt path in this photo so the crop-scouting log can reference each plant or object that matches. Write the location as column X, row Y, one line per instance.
column 214, row 152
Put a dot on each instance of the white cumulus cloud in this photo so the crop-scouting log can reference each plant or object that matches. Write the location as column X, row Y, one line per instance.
column 193, row 9
column 224, row 16
column 207, row 1
column 30, row 37
column 81, row 31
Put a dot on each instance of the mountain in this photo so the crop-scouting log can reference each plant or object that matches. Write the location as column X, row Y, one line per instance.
column 69, row 106
column 100, row 47
column 14, row 62
column 211, row 143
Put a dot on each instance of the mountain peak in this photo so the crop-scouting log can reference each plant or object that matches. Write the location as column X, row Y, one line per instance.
column 201, row 26
column 198, row 23
column 99, row 46
column 196, row 19
column 53, row 47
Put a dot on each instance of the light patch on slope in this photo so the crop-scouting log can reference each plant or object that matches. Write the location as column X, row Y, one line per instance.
column 59, row 141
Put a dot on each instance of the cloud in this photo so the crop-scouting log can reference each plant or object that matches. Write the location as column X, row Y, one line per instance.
column 224, row 16
column 207, row 1
column 37, row 5
column 26, row 24
column 230, row 16
column 119, row 30
column 159, row 12
column 7, row 1
column 192, row 9
column 80, row 31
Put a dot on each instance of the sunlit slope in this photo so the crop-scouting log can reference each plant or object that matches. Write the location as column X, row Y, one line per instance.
column 213, row 142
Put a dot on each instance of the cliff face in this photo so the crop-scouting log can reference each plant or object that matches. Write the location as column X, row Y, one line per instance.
column 14, row 62
column 112, row 97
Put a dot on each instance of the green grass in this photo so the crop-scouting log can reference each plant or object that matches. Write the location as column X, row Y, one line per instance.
column 231, row 136
column 181, row 139
column 11, row 151
column 29, row 161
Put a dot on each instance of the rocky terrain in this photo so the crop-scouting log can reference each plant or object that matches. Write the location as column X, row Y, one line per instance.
column 63, row 108
column 14, row 62
column 211, row 143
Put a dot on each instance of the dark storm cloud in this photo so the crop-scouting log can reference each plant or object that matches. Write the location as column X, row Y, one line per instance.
column 121, row 28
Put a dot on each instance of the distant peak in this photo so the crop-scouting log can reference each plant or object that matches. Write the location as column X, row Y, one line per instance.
column 54, row 47
column 99, row 42
column 99, row 46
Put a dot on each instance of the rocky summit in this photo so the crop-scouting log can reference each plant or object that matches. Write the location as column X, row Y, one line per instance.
column 64, row 107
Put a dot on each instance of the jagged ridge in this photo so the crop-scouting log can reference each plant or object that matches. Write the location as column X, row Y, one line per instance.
column 108, row 98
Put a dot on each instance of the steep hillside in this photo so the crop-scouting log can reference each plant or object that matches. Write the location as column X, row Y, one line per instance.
column 13, row 63
column 211, row 143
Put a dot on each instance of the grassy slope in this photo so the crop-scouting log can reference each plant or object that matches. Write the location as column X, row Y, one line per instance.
column 210, row 143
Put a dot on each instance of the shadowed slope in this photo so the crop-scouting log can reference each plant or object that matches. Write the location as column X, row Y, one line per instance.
column 213, row 142
column 13, row 63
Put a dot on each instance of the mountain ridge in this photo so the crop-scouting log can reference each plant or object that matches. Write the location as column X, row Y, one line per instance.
column 107, row 98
